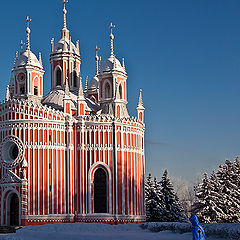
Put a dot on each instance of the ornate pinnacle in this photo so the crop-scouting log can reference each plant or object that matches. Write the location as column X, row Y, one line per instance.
column 66, row 87
column 52, row 44
column 16, row 57
column 77, row 46
column 111, row 37
column 64, row 14
column 100, row 64
column 40, row 59
column 140, row 101
column 80, row 90
column 97, row 58
column 123, row 64
column 28, row 20
column 8, row 93
column 86, row 84
column 21, row 46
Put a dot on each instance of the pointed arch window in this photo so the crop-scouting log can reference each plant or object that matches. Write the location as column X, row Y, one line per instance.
column 107, row 90
column 58, row 77
column 120, row 91
column 74, row 79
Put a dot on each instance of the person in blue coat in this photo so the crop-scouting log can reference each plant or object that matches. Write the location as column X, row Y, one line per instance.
column 198, row 231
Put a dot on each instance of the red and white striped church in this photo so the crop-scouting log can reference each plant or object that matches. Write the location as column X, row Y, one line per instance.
column 73, row 155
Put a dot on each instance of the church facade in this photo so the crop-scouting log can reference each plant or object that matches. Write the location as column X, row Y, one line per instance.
column 73, row 155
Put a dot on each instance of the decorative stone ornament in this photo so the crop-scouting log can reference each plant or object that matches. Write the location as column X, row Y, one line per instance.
column 11, row 151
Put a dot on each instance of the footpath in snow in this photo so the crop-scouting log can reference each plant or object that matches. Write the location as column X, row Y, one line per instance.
column 93, row 231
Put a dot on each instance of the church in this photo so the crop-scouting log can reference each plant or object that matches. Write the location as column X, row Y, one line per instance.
column 74, row 154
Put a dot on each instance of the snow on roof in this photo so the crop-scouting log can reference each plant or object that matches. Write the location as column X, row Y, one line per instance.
column 108, row 65
column 55, row 100
column 23, row 60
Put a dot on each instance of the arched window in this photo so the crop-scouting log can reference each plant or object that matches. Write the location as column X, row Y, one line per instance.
column 100, row 191
column 107, row 90
column 120, row 91
column 59, row 78
column 74, row 79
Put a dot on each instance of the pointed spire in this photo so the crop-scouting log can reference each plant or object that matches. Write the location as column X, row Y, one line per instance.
column 111, row 38
column 66, row 87
column 64, row 14
column 40, row 59
column 16, row 57
column 97, row 58
column 8, row 93
column 123, row 64
column 77, row 46
column 86, row 84
column 52, row 44
column 80, row 90
column 100, row 64
column 28, row 20
column 140, row 101
column 21, row 46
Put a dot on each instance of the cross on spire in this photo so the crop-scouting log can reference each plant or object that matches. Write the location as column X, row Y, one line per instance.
column 28, row 20
column 21, row 46
column 111, row 26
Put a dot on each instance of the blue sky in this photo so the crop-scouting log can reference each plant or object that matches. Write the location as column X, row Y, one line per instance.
column 185, row 55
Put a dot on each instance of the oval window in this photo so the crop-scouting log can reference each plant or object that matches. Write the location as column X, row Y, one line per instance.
column 10, row 151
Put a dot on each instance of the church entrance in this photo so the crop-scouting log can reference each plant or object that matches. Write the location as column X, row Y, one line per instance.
column 14, row 210
column 100, row 191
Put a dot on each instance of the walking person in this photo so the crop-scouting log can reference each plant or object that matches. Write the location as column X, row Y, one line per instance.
column 198, row 231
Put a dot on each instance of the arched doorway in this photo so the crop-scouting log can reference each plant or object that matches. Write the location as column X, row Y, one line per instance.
column 100, row 191
column 14, row 209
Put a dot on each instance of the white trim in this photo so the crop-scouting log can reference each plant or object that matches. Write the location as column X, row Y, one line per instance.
column 12, row 190
column 105, row 167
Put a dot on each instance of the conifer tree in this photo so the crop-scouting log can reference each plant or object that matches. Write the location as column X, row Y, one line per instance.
column 173, row 211
column 152, row 212
column 229, row 179
column 208, row 205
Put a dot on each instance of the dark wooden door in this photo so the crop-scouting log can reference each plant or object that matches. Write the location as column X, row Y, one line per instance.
column 14, row 210
column 100, row 191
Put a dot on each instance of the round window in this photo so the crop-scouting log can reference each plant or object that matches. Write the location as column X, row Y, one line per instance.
column 10, row 151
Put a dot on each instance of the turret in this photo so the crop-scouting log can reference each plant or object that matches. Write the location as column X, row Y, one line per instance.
column 140, row 108
column 27, row 73
column 113, row 82
column 65, row 59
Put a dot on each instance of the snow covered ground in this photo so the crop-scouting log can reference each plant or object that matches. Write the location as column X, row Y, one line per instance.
column 93, row 231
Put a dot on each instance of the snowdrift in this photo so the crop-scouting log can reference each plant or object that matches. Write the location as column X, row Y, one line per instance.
column 223, row 230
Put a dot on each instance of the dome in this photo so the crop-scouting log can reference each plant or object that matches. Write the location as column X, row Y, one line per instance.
column 23, row 59
column 59, row 46
column 55, row 99
column 108, row 65
column 94, row 83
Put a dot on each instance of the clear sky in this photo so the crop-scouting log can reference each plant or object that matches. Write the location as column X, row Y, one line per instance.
column 185, row 55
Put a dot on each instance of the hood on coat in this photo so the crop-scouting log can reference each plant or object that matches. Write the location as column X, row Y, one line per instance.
column 194, row 220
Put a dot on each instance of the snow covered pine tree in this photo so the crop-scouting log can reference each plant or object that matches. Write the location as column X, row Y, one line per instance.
column 218, row 198
column 173, row 210
column 152, row 212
